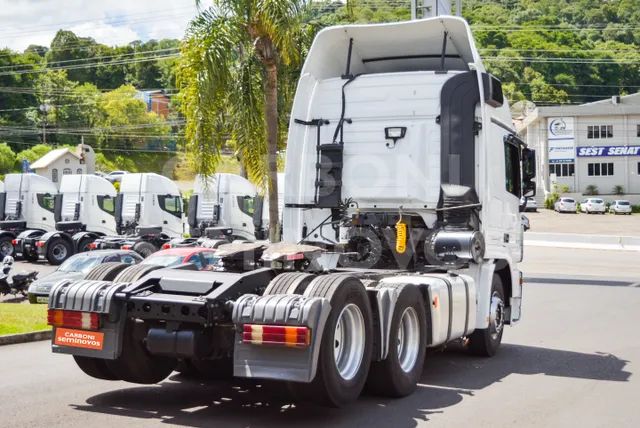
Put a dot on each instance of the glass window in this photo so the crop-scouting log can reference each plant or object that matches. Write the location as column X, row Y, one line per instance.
column 171, row 204
column 590, row 169
column 66, row 161
column 638, row 168
column 589, row 131
column 609, row 131
column 600, row 131
column 572, row 169
column 79, row 171
column 512, row 168
column 107, row 204
column 66, row 171
column 166, row 260
column 638, row 130
column 562, row 170
column 596, row 169
column 247, row 204
column 54, row 175
column 196, row 260
column 210, row 259
column 46, row 201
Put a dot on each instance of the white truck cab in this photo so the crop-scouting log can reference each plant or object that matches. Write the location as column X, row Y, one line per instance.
column 29, row 203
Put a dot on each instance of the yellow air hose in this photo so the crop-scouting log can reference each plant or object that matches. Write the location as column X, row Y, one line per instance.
column 401, row 236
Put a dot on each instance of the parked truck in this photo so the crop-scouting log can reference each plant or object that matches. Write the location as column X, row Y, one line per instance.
column 83, row 211
column 148, row 214
column 226, row 207
column 29, row 201
column 401, row 232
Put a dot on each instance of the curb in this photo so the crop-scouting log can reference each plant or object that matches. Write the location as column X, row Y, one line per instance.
column 26, row 337
column 585, row 241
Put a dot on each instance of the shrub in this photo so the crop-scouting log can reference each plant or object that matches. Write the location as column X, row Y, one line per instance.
column 591, row 190
column 635, row 208
column 551, row 200
column 116, row 184
column 618, row 190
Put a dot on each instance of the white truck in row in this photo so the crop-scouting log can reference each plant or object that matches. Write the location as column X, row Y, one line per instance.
column 401, row 232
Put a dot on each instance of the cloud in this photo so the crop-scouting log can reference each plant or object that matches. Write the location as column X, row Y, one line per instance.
column 112, row 22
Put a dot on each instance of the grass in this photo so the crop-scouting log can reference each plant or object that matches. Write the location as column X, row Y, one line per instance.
column 22, row 318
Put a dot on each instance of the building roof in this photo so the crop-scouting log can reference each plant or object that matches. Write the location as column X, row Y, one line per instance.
column 51, row 157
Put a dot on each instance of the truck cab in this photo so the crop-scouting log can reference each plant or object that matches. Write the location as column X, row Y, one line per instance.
column 84, row 210
column 29, row 204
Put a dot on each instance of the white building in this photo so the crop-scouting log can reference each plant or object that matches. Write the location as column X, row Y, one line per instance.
column 65, row 161
column 595, row 144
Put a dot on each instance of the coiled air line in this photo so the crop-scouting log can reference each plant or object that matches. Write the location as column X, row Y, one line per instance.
column 401, row 235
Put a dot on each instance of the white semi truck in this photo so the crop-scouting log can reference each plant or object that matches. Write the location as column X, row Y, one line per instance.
column 84, row 211
column 401, row 232
column 29, row 202
column 148, row 214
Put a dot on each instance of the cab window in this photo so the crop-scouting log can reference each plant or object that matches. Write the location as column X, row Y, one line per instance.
column 512, row 168
column 171, row 204
column 107, row 204
column 46, row 201
column 210, row 259
column 247, row 205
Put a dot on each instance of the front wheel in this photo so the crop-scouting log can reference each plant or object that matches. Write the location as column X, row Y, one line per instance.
column 58, row 251
column 485, row 342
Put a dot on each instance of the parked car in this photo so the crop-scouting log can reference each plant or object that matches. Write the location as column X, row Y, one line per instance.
column 77, row 267
column 202, row 258
column 620, row 206
column 531, row 204
column 565, row 205
column 114, row 176
column 593, row 205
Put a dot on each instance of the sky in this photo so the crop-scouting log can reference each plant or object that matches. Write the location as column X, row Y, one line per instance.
column 111, row 22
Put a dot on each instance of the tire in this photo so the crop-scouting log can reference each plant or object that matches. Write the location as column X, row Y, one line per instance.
column 135, row 364
column 95, row 367
column 106, row 271
column 135, row 272
column 332, row 385
column 83, row 245
column 58, row 250
column 6, row 247
column 289, row 283
column 144, row 248
column 485, row 342
column 398, row 374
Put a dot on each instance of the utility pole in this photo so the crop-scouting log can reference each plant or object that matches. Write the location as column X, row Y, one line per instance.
column 44, row 108
column 430, row 8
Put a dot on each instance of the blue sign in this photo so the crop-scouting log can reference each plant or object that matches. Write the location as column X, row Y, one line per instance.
column 26, row 167
column 608, row 151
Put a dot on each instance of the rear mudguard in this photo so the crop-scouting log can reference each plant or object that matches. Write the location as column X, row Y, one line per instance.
column 79, row 236
column 91, row 296
column 28, row 237
column 274, row 362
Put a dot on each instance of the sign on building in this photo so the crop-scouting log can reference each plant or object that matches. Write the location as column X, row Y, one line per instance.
column 596, row 151
column 561, row 139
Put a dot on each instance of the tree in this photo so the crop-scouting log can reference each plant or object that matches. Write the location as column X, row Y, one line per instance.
column 34, row 153
column 7, row 158
column 229, row 74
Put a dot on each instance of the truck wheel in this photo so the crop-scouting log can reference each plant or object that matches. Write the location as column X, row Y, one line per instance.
column 95, row 367
column 144, row 248
column 485, row 342
column 347, row 341
column 398, row 374
column 106, row 271
column 135, row 364
column 58, row 250
column 6, row 247
column 135, row 272
column 289, row 283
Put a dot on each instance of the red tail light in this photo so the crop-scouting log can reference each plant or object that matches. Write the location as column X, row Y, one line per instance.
column 126, row 247
column 73, row 319
column 15, row 241
column 40, row 244
column 166, row 246
column 92, row 246
column 281, row 335
column 296, row 256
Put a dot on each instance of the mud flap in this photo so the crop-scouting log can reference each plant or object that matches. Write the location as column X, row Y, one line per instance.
column 90, row 296
column 279, row 362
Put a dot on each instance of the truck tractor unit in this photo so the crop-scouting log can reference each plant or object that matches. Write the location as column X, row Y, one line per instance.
column 148, row 214
column 27, row 208
column 226, row 207
column 84, row 211
column 401, row 232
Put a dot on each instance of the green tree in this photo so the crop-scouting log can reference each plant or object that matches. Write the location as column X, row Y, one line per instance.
column 229, row 77
column 34, row 153
column 7, row 158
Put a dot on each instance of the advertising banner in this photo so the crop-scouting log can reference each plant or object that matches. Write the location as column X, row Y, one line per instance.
column 597, row 151
column 561, row 139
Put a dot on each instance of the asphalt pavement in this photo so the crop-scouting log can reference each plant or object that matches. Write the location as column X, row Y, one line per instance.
column 573, row 360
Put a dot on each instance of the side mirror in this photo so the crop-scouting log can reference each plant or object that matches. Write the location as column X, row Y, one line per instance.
column 529, row 189
column 528, row 164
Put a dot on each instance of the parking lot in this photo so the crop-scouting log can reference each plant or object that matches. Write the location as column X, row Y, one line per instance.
column 593, row 224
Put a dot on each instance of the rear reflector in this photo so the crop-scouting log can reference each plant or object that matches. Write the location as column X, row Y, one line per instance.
column 73, row 319
column 40, row 244
column 92, row 246
column 166, row 246
column 126, row 247
column 15, row 241
column 281, row 335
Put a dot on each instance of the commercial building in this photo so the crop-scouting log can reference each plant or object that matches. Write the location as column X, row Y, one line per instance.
column 581, row 146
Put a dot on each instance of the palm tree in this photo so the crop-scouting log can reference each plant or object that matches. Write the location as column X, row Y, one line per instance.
column 232, row 57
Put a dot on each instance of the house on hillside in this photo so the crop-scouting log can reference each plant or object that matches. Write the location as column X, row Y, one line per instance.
column 65, row 161
column 156, row 100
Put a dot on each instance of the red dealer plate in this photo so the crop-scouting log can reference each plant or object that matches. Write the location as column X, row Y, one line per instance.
column 79, row 338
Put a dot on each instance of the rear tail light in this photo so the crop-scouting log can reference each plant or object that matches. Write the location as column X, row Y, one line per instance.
column 281, row 335
column 15, row 241
column 166, row 246
column 125, row 247
column 40, row 244
column 92, row 246
column 296, row 256
column 73, row 319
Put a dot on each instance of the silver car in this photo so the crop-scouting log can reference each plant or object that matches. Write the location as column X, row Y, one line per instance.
column 593, row 205
column 565, row 205
column 620, row 207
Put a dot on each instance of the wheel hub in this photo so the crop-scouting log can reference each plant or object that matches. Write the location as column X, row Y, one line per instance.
column 496, row 315
column 408, row 346
column 348, row 341
column 6, row 249
column 59, row 251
